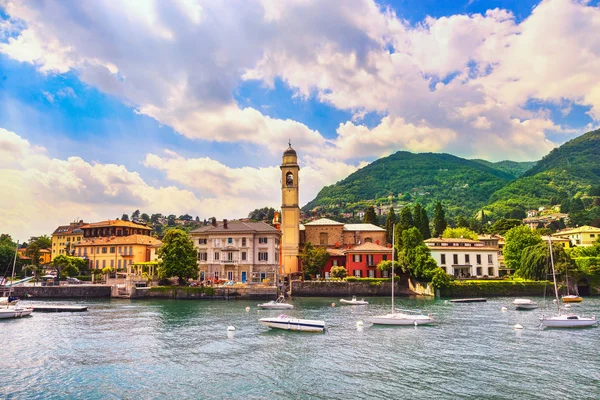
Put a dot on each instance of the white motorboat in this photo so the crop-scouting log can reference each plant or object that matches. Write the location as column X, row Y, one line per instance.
column 568, row 320
column 525, row 304
column 278, row 304
column 12, row 309
column 354, row 301
column 405, row 317
column 293, row 324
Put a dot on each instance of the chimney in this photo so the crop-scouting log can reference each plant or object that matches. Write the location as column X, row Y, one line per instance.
column 225, row 224
column 214, row 221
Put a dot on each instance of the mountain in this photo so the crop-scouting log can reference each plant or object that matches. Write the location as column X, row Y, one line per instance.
column 514, row 168
column 463, row 186
column 569, row 170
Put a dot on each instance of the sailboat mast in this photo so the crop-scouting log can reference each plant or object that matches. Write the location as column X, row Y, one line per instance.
column 393, row 260
column 554, row 276
column 12, row 276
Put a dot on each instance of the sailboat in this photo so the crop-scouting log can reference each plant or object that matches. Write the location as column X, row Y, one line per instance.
column 564, row 320
column 405, row 317
column 13, row 309
column 570, row 298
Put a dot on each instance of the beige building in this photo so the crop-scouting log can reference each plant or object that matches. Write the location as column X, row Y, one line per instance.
column 290, row 211
column 65, row 237
column 465, row 258
column 237, row 251
column 330, row 233
column 583, row 236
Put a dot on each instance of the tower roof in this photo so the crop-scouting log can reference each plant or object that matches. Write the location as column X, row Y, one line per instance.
column 290, row 151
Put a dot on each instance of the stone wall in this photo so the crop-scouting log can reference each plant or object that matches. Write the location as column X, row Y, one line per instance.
column 342, row 288
column 57, row 292
column 184, row 293
column 498, row 289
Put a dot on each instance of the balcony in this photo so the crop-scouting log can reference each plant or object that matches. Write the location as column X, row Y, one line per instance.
column 232, row 261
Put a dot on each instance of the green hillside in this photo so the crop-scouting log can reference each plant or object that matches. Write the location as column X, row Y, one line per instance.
column 462, row 185
column 514, row 168
column 566, row 172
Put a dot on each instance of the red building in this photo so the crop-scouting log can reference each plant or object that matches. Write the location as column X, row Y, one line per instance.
column 361, row 260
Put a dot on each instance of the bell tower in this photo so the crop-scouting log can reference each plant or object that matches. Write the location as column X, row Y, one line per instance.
column 290, row 211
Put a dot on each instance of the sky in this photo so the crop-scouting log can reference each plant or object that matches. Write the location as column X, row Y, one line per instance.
column 186, row 106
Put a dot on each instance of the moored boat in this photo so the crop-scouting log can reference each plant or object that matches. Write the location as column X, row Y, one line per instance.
column 278, row 304
column 525, row 304
column 405, row 317
column 354, row 301
column 293, row 324
column 12, row 308
column 571, row 298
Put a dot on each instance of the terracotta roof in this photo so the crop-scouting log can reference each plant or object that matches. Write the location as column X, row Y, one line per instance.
column 116, row 222
column 68, row 229
column 363, row 228
column 237, row 227
column 581, row 229
column 335, row 252
column 463, row 248
column 451, row 240
column 323, row 222
column 369, row 247
column 120, row 240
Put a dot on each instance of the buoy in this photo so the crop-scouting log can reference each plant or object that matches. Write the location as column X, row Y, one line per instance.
column 504, row 309
column 332, row 304
column 518, row 326
column 567, row 306
column 554, row 301
column 416, row 324
column 230, row 331
column 445, row 301
column 247, row 308
column 360, row 325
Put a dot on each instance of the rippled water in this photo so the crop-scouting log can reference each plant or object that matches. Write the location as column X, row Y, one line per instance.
column 179, row 349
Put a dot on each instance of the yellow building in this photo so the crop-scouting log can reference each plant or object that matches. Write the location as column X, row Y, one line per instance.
column 65, row 237
column 45, row 256
column 583, row 236
column 290, row 211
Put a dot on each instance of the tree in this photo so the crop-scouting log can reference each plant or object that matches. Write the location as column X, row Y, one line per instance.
column 155, row 217
column 43, row 242
column 7, row 255
column 576, row 205
column 171, row 220
column 415, row 257
column 33, row 252
column 421, row 221
column 313, row 259
column 338, row 272
column 503, row 225
column 457, row 233
column 370, row 216
column 145, row 218
column 535, row 261
column 386, row 265
column 178, row 255
column 135, row 215
column 439, row 220
column 7, row 239
column 125, row 217
column 518, row 239
column 389, row 225
column 462, row 222
column 440, row 279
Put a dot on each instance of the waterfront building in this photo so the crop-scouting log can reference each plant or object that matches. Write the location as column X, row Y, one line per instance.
column 583, row 236
column 65, row 237
column 45, row 256
column 464, row 258
column 237, row 251
column 362, row 260
column 290, row 212
column 544, row 220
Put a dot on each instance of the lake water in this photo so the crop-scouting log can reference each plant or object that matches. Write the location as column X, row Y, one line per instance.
column 179, row 349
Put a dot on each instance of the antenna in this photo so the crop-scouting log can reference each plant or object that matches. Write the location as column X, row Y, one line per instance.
column 290, row 142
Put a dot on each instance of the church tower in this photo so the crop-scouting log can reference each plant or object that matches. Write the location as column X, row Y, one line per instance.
column 290, row 211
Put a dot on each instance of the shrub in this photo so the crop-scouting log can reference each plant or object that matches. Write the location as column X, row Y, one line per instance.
column 338, row 272
column 440, row 279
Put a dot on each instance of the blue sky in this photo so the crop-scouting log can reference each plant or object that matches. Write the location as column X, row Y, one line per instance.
column 190, row 106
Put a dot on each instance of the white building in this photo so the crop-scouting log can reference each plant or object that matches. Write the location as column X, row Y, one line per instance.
column 465, row 258
column 237, row 251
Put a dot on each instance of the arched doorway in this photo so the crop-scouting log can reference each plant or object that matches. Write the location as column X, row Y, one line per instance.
column 583, row 287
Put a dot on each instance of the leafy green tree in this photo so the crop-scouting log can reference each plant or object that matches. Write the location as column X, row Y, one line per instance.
column 370, row 216
column 314, row 259
column 386, row 265
column 135, row 215
column 457, row 233
column 503, row 225
column 576, row 205
column 440, row 279
column 406, row 219
column 171, row 220
column 145, row 218
column 535, row 262
column 421, row 221
column 462, row 222
column 338, row 272
column 594, row 191
column 33, row 252
column 155, row 217
column 415, row 257
column 43, row 242
column 439, row 220
column 517, row 240
column 389, row 225
column 70, row 270
column 7, row 239
column 178, row 256
column 125, row 217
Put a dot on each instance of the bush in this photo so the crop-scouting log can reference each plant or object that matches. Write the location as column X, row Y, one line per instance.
column 440, row 279
column 338, row 272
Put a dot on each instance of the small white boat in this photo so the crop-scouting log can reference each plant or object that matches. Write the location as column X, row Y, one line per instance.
column 525, row 304
column 404, row 317
column 293, row 324
column 568, row 321
column 15, row 311
column 278, row 304
column 354, row 301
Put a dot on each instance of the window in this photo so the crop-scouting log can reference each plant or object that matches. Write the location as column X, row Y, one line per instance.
column 384, row 257
column 467, row 258
column 478, row 271
column 385, row 274
column 216, row 256
column 455, row 259
column 334, row 263
column 368, row 240
column 243, row 256
column 217, row 275
column 119, row 264
column 371, row 273
column 130, row 251
column 112, row 263
column 443, row 259
column 358, row 273
column 203, row 256
column 202, row 241
column 230, row 256
column 78, row 239
column 244, row 242
column 103, row 264
column 104, row 250
column 229, row 275
column 79, row 251
column 592, row 235
column 323, row 238
column 478, row 259
column 230, row 241
column 263, row 256
column 490, row 259
column 97, row 264
column 357, row 258
column 112, row 249
column 370, row 261
column 262, row 240
column 491, row 271
column 327, row 275
column 263, row 276
column 217, row 243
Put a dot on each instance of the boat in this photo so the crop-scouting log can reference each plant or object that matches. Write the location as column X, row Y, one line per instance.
column 567, row 320
column 278, row 304
column 13, row 309
column 354, row 301
column 4, row 300
column 525, row 304
column 405, row 317
column 470, row 300
column 293, row 324
column 570, row 298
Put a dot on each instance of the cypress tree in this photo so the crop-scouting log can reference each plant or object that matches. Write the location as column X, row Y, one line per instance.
column 424, row 228
column 389, row 224
column 370, row 216
column 439, row 220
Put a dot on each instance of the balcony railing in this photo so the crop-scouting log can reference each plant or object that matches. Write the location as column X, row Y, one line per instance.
column 232, row 261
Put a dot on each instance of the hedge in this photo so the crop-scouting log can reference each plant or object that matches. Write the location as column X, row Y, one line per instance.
column 497, row 288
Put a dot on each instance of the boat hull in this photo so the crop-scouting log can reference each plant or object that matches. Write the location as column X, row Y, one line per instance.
column 278, row 306
column 15, row 312
column 354, row 302
column 525, row 304
column 567, row 321
column 294, row 324
column 572, row 299
column 401, row 319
